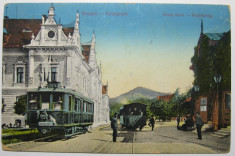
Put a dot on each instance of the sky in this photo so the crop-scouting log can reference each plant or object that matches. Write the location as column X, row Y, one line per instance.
column 138, row 45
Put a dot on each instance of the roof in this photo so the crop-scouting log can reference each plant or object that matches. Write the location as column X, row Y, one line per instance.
column 68, row 30
column 104, row 89
column 18, row 32
column 214, row 36
column 86, row 52
column 17, row 37
column 60, row 90
column 166, row 97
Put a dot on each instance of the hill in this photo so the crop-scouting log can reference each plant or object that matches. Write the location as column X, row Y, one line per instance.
column 136, row 93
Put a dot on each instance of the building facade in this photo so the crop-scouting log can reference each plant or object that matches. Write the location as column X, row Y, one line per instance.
column 212, row 57
column 38, row 51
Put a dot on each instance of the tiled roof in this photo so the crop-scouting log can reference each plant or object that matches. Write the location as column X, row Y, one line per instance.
column 214, row 36
column 18, row 32
column 104, row 89
column 68, row 30
column 86, row 52
column 16, row 36
column 166, row 97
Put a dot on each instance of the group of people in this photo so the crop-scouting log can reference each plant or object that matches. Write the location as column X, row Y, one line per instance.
column 189, row 122
column 199, row 124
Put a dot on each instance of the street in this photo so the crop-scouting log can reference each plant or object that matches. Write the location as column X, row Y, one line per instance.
column 164, row 139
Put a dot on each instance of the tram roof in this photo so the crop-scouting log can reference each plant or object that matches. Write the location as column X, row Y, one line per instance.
column 60, row 90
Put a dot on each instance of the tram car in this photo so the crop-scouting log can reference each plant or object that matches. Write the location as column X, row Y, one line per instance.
column 58, row 109
column 133, row 116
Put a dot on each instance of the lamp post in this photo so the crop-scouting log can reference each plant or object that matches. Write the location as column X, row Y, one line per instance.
column 215, row 121
column 196, row 89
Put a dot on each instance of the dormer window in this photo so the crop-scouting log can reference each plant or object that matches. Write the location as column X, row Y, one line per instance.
column 26, row 30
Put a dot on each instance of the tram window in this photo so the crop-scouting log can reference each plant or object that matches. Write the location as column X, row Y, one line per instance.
column 45, row 101
column 88, row 107
column 33, row 106
column 70, row 103
column 76, row 105
column 33, row 101
column 58, row 101
column 81, row 107
column 85, row 106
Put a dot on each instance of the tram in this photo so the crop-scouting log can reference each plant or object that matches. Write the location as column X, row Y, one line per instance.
column 133, row 116
column 59, row 109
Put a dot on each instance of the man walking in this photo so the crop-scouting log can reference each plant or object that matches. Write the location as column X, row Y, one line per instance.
column 199, row 124
column 114, row 126
column 178, row 121
column 152, row 122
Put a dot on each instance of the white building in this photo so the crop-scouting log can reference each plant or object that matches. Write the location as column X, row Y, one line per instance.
column 36, row 51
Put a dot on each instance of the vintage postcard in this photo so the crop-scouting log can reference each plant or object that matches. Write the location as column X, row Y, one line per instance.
column 116, row 78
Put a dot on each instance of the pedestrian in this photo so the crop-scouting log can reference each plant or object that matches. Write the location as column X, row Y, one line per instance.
column 178, row 121
column 199, row 124
column 114, row 126
column 152, row 122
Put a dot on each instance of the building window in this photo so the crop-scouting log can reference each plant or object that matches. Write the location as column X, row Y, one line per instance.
column 227, row 100
column 203, row 101
column 53, row 74
column 202, row 108
column 20, row 74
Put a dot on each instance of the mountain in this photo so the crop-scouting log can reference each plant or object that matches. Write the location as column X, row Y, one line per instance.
column 136, row 93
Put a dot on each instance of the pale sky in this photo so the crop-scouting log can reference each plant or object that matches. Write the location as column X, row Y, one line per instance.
column 148, row 45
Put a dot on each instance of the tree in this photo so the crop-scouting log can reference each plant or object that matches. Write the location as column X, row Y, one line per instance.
column 178, row 104
column 223, row 61
column 209, row 60
column 115, row 108
column 20, row 105
column 203, row 65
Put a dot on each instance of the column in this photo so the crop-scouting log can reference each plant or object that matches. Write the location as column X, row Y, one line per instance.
column 31, row 66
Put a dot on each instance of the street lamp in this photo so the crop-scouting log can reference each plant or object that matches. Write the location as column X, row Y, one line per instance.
column 217, row 79
column 196, row 89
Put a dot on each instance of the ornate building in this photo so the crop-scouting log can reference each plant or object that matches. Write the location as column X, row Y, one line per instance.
column 37, row 51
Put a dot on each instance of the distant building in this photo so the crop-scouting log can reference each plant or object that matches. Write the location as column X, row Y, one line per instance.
column 165, row 97
column 36, row 51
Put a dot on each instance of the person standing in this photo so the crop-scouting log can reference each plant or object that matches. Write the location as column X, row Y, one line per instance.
column 114, row 126
column 152, row 122
column 199, row 124
column 178, row 121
